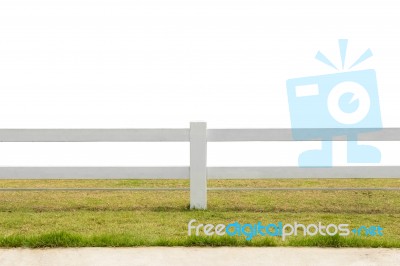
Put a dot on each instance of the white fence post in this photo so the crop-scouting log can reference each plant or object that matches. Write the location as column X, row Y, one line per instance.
column 198, row 165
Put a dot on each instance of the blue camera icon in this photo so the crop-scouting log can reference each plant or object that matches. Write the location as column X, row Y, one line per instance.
column 330, row 105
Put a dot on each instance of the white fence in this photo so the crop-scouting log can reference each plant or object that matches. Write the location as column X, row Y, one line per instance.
column 198, row 135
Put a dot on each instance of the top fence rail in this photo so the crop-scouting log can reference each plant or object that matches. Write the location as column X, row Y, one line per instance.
column 183, row 135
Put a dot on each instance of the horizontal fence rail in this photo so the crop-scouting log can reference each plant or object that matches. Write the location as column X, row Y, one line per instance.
column 93, row 135
column 290, row 172
column 197, row 172
column 183, row 135
column 284, row 134
column 303, row 172
column 69, row 172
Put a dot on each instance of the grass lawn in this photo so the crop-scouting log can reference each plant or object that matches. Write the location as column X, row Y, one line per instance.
column 148, row 218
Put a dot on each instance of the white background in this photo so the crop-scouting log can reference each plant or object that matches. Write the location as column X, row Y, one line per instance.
column 135, row 64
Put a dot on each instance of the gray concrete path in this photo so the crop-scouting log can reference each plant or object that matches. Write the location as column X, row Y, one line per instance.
column 199, row 256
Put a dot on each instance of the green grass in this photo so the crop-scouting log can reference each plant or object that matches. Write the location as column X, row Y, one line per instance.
column 160, row 218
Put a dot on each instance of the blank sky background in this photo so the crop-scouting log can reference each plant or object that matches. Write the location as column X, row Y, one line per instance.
column 132, row 64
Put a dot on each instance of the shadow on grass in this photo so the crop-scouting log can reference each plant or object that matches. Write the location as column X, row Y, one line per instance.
column 186, row 208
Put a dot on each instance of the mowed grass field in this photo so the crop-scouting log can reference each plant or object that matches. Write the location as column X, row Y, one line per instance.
column 148, row 218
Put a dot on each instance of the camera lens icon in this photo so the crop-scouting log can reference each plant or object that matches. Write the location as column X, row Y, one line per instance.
column 348, row 103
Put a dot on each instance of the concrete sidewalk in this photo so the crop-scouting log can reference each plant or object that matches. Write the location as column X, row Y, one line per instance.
column 199, row 256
